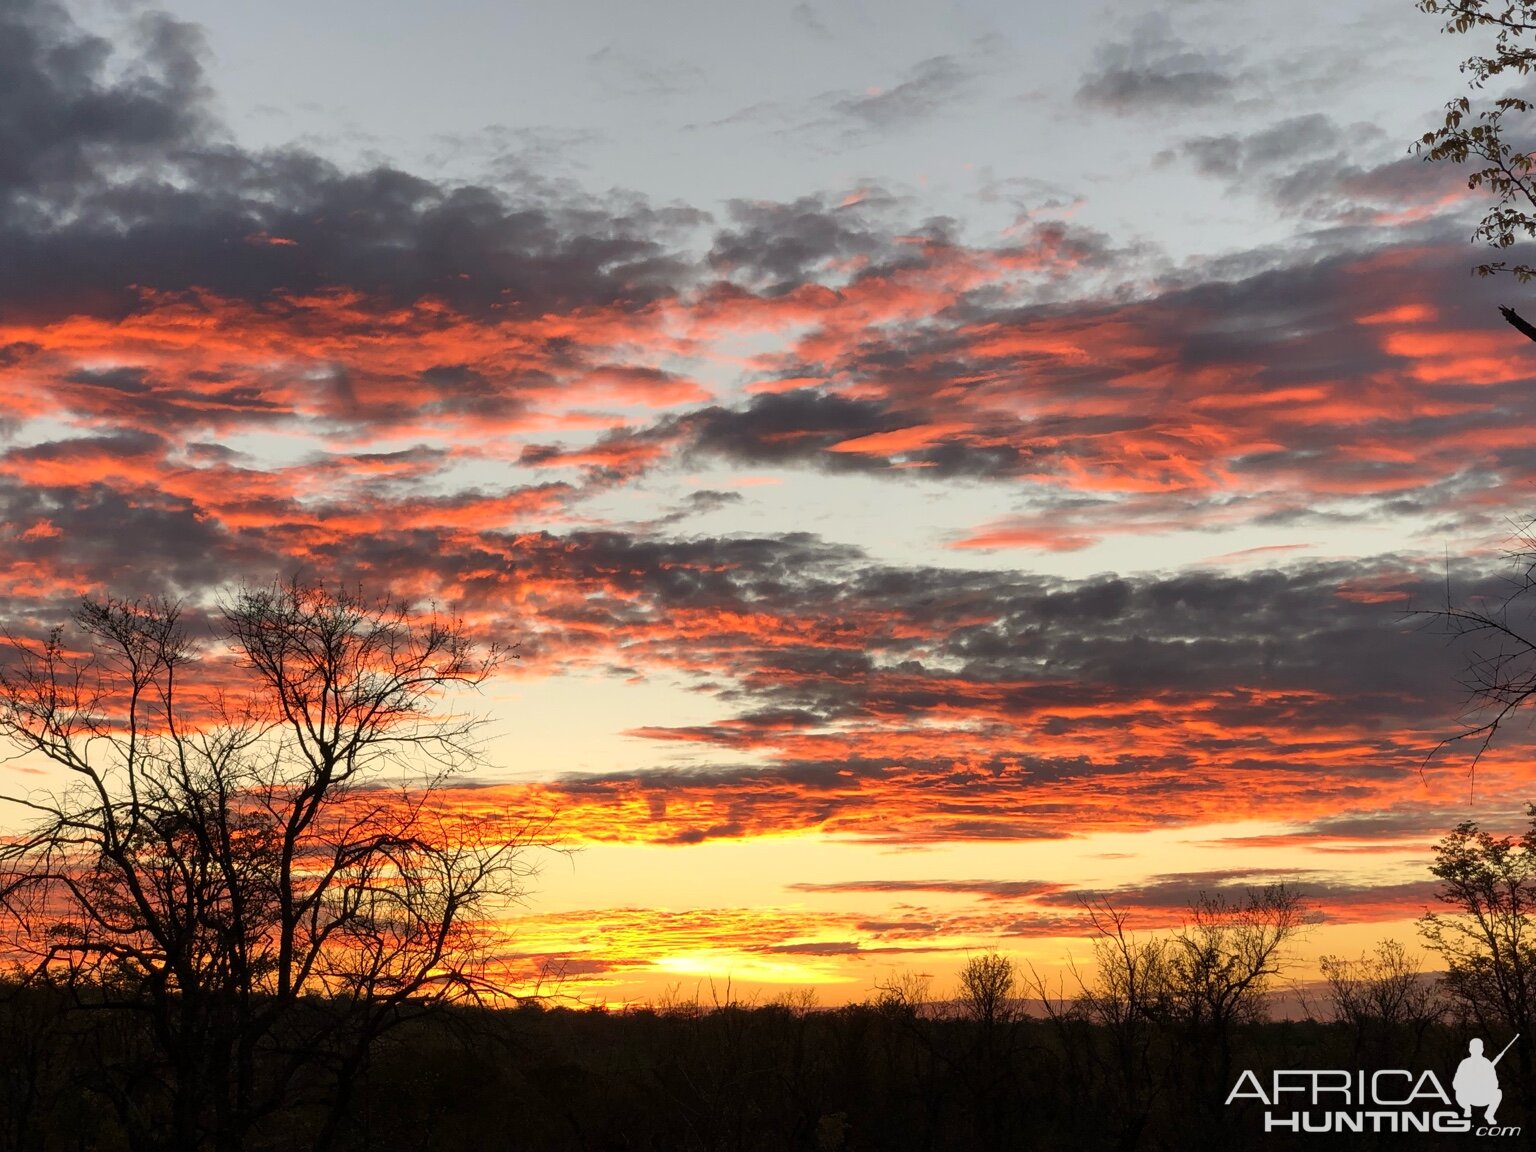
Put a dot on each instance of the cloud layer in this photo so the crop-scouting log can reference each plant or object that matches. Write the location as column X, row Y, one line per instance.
column 222, row 362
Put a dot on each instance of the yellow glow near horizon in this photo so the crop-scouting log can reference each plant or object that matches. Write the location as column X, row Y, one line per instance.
column 736, row 911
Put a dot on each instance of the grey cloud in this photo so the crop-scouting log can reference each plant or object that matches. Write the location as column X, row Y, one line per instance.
column 1235, row 155
column 1311, row 166
column 780, row 246
column 815, row 948
column 125, row 542
column 106, row 166
column 784, row 426
column 1359, row 831
column 1177, row 892
column 1261, row 328
column 698, row 504
column 805, row 16
column 62, row 116
column 838, row 117
column 1251, row 639
column 1153, row 70
column 930, row 86
column 983, row 889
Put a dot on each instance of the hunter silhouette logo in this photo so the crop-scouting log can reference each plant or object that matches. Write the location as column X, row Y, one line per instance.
column 1319, row 1100
column 1477, row 1080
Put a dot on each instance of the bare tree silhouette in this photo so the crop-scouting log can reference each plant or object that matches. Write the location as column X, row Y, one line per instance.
column 230, row 859
column 1500, row 671
column 1385, row 999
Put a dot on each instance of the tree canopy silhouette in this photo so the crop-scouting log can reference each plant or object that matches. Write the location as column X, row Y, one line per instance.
column 243, row 852
column 1480, row 133
column 1488, row 937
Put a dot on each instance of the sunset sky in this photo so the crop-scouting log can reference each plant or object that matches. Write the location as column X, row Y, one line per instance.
column 938, row 462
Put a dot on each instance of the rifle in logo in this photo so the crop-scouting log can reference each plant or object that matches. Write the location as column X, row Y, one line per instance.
column 1477, row 1082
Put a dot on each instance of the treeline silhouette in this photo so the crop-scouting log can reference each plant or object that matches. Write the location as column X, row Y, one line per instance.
column 1011, row 1071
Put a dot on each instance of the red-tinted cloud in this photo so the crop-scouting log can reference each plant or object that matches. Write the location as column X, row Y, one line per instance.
column 222, row 364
